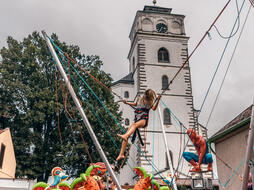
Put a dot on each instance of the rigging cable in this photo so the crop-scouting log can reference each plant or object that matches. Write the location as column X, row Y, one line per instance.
column 236, row 45
column 188, row 58
column 219, row 63
column 179, row 161
column 153, row 144
column 226, row 37
column 225, row 184
column 142, row 153
column 82, row 137
column 58, row 115
column 99, row 119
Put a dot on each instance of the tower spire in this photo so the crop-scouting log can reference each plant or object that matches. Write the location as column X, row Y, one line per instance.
column 154, row 2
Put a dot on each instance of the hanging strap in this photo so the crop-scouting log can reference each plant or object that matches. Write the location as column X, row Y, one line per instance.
column 139, row 137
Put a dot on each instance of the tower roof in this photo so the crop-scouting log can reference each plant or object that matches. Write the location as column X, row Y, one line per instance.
column 155, row 9
column 128, row 79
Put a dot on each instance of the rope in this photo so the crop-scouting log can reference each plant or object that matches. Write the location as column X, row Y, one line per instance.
column 180, row 124
column 125, row 158
column 94, row 78
column 57, row 107
column 236, row 45
column 95, row 114
column 225, row 184
column 66, row 93
column 83, row 140
column 218, row 65
column 105, row 107
column 188, row 58
column 234, row 171
column 226, row 164
column 179, row 161
column 98, row 118
column 112, row 116
column 153, row 143
column 67, row 115
column 180, row 148
column 226, row 37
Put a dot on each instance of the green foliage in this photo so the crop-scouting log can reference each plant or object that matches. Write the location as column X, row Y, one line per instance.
column 28, row 106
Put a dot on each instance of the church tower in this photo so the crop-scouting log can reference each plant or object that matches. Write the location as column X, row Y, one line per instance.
column 159, row 47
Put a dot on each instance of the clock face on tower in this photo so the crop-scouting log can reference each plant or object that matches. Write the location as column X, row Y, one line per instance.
column 162, row 28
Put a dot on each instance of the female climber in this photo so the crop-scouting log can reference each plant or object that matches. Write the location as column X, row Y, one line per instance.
column 142, row 107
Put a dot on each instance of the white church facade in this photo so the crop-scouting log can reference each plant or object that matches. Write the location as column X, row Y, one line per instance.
column 159, row 47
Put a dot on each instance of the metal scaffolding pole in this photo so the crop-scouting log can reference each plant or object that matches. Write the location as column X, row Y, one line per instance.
column 167, row 150
column 81, row 111
column 249, row 151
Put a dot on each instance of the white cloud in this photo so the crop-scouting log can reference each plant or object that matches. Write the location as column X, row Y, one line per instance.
column 102, row 27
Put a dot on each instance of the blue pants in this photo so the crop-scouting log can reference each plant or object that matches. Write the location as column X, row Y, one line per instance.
column 191, row 156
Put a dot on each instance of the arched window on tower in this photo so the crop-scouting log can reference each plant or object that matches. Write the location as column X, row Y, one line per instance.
column 166, row 117
column 164, row 82
column 127, row 122
column 126, row 94
column 163, row 55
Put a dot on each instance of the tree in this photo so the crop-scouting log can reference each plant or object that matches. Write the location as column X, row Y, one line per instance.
column 28, row 106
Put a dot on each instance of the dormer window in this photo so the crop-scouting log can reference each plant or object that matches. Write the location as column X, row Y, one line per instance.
column 126, row 94
column 163, row 55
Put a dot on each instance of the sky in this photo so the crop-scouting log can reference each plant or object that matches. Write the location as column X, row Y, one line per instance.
column 101, row 27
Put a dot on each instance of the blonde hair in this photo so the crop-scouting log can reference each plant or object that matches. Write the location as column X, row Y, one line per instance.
column 148, row 97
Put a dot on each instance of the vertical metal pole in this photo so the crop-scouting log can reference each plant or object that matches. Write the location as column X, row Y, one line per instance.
column 167, row 149
column 249, row 151
column 81, row 111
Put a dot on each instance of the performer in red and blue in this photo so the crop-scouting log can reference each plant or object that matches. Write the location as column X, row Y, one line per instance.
column 203, row 156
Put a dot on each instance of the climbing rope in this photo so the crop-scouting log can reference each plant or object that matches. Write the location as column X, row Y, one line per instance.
column 108, row 133
column 226, row 37
column 106, row 109
column 57, row 107
column 142, row 153
column 226, row 183
column 226, row 164
column 219, row 63
column 192, row 53
column 94, row 78
column 188, row 58
column 153, row 143
column 68, row 115
column 236, row 45
column 82, row 137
